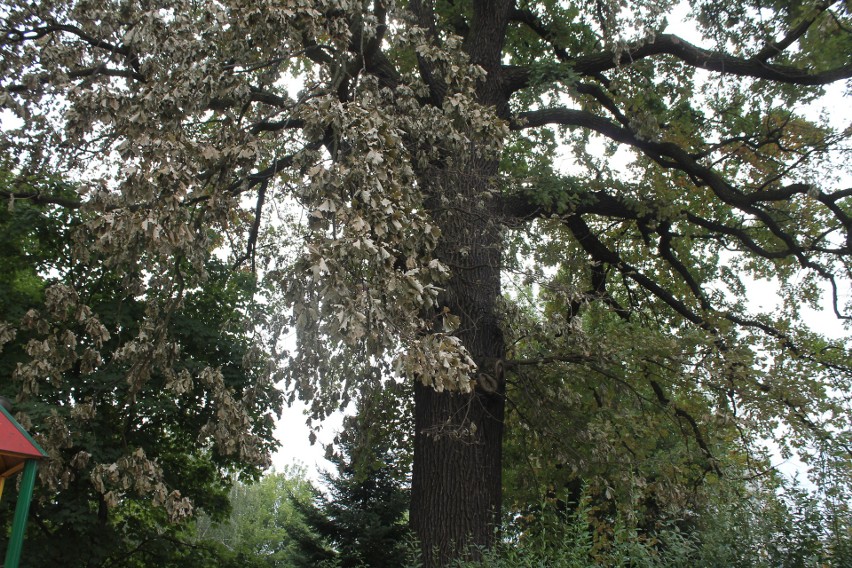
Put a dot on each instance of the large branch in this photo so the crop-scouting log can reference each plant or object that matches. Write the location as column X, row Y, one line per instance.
column 376, row 61
column 425, row 16
column 21, row 35
column 756, row 204
column 775, row 48
column 603, row 204
column 666, row 402
column 534, row 23
column 39, row 198
column 254, row 230
column 757, row 67
column 98, row 70
column 666, row 252
column 670, row 155
column 669, row 44
column 601, row 253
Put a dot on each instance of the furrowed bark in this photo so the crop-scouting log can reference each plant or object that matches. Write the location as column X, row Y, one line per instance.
column 456, row 487
column 457, row 478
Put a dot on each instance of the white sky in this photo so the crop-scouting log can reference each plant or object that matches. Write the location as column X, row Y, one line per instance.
column 295, row 448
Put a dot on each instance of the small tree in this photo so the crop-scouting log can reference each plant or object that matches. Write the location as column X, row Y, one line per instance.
column 365, row 512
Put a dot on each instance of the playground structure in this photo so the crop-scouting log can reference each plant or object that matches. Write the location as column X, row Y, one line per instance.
column 18, row 452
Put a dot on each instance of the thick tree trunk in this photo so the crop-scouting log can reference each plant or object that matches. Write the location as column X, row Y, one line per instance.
column 456, row 486
column 457, row 478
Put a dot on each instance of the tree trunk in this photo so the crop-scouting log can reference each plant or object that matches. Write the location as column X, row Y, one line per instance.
column 456, row 486
column 457, row 478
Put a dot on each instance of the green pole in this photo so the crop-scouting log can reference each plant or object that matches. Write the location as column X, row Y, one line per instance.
column 22, row 509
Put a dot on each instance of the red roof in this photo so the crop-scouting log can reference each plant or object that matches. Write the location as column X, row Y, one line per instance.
column 15, row 445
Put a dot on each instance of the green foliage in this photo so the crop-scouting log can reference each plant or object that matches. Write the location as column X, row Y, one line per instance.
column 658, row 446
column 266, row 522
column 757, row 528
column 363, row 517
column 126, row 461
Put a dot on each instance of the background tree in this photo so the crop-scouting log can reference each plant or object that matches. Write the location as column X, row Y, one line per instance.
column 126, row 461
column 358, row 519
column 422, row 152
column 363, row 516
column 266, row 524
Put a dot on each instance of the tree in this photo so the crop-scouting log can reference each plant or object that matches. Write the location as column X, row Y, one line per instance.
column 127, row 462
column 267, row 523
column 417, row 167
column 363, row 516
column 283, row 520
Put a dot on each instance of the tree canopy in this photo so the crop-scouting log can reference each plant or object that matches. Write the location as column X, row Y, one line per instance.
column 543, row 215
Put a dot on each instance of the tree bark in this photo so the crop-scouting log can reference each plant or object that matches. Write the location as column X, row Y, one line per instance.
column 457, row 478
column 456, row 486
